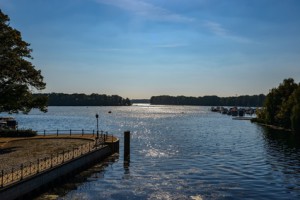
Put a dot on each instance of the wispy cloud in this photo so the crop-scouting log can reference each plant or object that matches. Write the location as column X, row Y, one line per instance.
column 216, row 28
column 116, row 49
column 175, row 45
column 147, row 10
column 219, row 30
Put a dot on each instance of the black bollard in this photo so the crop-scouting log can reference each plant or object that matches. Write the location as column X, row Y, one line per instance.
column 126, row 145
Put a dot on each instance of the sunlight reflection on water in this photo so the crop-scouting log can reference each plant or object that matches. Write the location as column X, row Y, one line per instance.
column 179, row 152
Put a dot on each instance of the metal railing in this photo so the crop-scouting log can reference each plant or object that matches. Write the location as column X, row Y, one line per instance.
column 71, row 132
column 26, row 170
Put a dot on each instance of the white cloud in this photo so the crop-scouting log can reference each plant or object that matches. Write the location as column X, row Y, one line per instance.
column 175, row 45
column 219, row 30
column 216, row 28
column 147, row 10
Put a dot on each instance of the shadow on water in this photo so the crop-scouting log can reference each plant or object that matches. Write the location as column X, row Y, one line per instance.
column 284, row 140
column 283, row 156
column 63, row 187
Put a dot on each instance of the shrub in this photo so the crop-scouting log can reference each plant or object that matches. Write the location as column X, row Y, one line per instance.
column 295, row 119
column 17, row 133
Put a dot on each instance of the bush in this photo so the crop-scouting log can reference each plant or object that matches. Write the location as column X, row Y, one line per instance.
column 295, row 119
column 257, row 120
column 17, row 133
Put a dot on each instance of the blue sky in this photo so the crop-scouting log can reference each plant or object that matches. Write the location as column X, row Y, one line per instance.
column 141, row 48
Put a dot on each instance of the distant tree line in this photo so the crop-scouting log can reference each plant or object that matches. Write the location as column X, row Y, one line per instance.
column 282, row 106
column 140, row 100
column 246, row 100
column 61, row 99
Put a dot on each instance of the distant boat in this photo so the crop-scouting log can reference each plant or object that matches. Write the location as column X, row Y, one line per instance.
column 234, row 111
column 215, row 109
column 109, row 112
column 241, row 112
column 224, row 111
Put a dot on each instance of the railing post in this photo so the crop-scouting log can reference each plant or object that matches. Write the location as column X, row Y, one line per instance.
column 2, row 174
column 22, row 167
column 51, row 160
column 57, row 133
column 38, row 166
column 70, row 132
column 93, row 132
column 44, row 132
column 82, row 132
column 12, row 174
column 45, row 163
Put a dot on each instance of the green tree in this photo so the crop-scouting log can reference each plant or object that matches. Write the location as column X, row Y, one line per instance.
column 18, row 77
column 285, row 91
column 295, row 116
column 280, row 107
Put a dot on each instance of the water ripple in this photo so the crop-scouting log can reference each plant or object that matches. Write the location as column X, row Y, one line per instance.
column 180, row 152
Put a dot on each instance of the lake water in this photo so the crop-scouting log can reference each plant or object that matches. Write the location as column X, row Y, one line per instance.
column 178, row 152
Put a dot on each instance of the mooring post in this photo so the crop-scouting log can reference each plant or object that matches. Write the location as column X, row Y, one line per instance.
column 126, row 145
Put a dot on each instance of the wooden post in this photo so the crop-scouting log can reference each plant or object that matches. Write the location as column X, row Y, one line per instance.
column 126, row 145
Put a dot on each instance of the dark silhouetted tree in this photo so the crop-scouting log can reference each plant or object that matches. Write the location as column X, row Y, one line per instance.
column 295, row 117
column 61, row 99
column 282, row 106
column 18, row 77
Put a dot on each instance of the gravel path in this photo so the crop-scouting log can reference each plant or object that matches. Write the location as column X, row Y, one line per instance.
column 14, row 153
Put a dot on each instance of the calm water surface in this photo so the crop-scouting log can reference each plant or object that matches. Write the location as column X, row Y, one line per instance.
column 179, row 152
